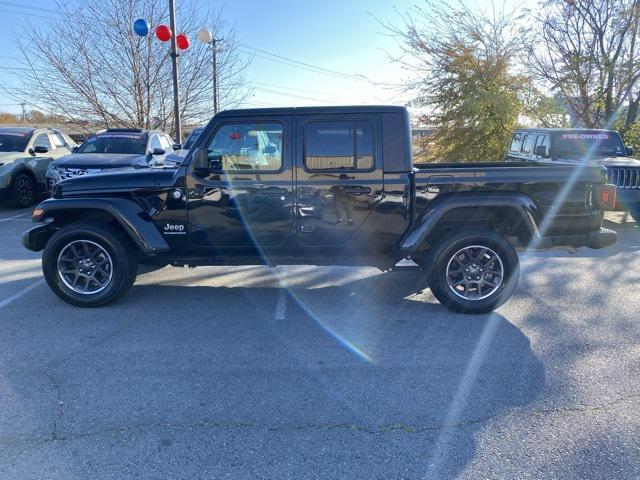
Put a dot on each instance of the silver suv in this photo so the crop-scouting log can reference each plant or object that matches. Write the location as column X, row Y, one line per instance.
column 25, row 154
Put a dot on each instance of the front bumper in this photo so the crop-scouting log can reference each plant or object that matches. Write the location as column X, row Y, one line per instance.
column 52, row 179
column 36, row 238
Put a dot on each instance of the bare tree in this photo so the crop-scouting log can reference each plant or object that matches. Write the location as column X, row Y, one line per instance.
column 89, row 66
column 585, row 50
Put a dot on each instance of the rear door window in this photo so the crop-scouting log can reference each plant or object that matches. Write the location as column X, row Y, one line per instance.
column 344, row 146
column 542, row 141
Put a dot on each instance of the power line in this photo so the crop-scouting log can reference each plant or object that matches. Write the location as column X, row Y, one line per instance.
column 30, row 7
column 275, row 92
column 290, row 88
column 274, row 57
column 304, row 64
column 3, row 10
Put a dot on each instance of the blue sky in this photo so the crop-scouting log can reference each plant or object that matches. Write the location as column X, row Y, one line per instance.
column 340, row 35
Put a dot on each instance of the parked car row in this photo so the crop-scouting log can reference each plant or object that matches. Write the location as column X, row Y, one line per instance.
column 25, row 154
column 34, row 160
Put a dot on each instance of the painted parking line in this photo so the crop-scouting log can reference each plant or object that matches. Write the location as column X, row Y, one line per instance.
column 20, row 294
column 15, row 217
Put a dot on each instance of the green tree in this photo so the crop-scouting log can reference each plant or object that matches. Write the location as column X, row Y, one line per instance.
column 632, row 136
column 462, row 63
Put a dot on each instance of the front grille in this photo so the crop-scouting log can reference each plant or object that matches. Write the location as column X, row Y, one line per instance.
column 624, row 177
column 76, row 172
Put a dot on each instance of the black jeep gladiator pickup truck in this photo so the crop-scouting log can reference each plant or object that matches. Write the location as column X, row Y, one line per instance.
column 316, row 186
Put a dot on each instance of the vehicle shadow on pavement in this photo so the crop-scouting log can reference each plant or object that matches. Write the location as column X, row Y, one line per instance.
column 365, row 370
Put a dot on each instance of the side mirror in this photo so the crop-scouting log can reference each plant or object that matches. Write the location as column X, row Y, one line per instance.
column 40, row 149
column 158, row 151
column 200, row 161
column 541, row 151
column 177, row 146
column 270, row 150
column 630, row 151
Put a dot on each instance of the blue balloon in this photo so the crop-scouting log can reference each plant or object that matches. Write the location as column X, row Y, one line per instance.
column 141, row 27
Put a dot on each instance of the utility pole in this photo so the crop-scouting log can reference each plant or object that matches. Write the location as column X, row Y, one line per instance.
column 205, row 36
column 214, row 48
column 24, row 112
column 174, row 63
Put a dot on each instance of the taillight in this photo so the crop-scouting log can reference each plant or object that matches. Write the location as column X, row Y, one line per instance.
column 604, row 197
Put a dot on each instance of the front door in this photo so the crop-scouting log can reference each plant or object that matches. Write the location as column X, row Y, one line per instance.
column 339, row 178
column 246, row 200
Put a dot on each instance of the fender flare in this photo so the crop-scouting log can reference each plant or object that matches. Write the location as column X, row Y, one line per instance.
column 430, row 219
column 131, row 217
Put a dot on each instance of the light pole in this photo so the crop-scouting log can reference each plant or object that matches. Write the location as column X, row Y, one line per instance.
column 174, row 63
column 205, row 36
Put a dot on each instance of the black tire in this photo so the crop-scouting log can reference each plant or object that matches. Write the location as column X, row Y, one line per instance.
column 23, row 191
column 498, row 255
column 117, row 279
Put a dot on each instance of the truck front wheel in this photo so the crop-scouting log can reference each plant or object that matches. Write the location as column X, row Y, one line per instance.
column 474, row 271
column 89, row 265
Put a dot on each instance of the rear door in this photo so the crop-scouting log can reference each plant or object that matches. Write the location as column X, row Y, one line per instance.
column 339, row 177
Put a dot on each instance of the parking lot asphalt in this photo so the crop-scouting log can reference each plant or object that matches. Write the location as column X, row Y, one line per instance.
column 308, row 372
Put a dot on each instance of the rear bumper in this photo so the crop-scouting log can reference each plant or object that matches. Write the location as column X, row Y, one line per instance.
column 599, row 239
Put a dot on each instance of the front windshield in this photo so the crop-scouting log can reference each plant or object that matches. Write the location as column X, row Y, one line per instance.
column 13, row 141
column 192, row 138
column 589, row 144
column 116, row 142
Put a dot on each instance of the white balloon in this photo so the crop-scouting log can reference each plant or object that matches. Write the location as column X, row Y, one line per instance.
column 204, row 35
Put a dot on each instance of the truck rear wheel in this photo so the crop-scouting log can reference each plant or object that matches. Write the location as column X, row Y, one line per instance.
column 474, row 271
column 89, row 265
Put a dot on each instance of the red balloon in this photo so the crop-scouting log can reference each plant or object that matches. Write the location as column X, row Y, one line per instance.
column 163, row 33
column 182, row 41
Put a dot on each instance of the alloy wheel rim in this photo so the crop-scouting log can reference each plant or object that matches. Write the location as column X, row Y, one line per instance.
column 24, row 190
column 475, row 272
column 85, row 267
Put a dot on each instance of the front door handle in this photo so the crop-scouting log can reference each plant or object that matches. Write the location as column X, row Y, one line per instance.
column 356, row 190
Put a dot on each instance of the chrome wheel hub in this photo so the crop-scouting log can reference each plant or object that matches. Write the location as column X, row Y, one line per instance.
column 475, row 272
column 85, row 267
